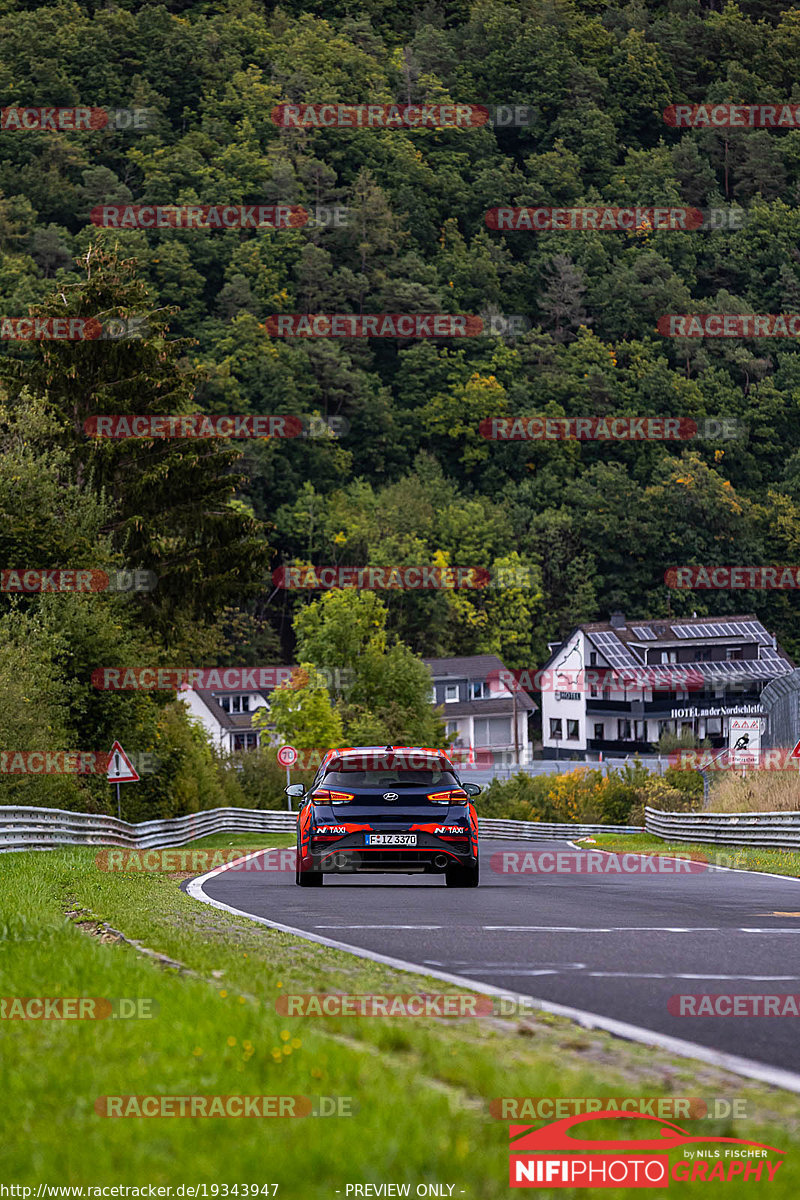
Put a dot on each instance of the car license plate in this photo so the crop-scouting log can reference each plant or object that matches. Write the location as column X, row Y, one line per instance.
column 390, row 839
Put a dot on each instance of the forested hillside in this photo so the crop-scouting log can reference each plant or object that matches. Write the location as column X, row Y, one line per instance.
column 398, row 226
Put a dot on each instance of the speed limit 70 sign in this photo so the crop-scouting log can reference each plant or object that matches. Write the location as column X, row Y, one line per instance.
column 287, row 756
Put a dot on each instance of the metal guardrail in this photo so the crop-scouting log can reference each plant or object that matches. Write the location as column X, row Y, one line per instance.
column 777, row 829
column 44, row 828
column 540, row 831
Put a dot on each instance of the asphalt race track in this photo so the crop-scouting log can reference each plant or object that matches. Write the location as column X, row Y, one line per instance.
column 614, row 945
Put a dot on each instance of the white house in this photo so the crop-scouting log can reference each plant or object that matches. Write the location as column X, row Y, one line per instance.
column 726, row 662
column 227, row 717
column 481, row 711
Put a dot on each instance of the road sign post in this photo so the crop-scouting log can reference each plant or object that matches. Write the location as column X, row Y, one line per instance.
column 287, row 757
column 120, row 770
column 744, row 742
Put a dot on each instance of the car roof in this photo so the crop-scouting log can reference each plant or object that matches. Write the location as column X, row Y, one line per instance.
column 345, row 752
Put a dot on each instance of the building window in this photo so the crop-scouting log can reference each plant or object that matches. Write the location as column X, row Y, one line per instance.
column 245, row 741
column 478, row 691
column 701, row 655
column 595, row 692
column 592, row 658
column 623, row 731
column 669, row 656
column 555, row 728
column 235, row 704
column 492, row 731
column 599, row 731
column 451, row 693
column 733, row 652
column 572, row 731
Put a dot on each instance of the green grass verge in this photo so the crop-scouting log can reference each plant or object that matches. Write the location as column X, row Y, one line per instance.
column 745, row 858
column 421, row 1088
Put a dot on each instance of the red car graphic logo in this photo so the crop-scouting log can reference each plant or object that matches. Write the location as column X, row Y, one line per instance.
column 556, row 1137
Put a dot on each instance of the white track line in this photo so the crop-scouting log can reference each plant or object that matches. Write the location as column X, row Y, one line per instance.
column 746, row 1067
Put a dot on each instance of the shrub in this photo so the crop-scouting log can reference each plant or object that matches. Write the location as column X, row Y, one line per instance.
column 584, row 795
column 661, row 793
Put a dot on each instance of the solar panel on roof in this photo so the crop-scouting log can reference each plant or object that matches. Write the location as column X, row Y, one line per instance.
column 643, row 632
column 740, row 667
column 757, row 630
column 746, row 668
column 614, row 650
column 728, row 629
column 738, row 629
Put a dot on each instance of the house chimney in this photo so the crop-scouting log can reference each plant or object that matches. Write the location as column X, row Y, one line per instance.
column 617, row 620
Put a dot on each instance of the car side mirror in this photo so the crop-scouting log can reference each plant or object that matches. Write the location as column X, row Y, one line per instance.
column 472, row 789
column 295, row 789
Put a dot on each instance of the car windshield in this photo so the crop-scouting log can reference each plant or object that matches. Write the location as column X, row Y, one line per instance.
column 433, row 779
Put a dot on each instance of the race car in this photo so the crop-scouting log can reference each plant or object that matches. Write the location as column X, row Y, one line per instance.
column 395, row 809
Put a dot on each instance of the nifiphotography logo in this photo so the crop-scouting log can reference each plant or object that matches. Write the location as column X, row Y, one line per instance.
column 555, row 1157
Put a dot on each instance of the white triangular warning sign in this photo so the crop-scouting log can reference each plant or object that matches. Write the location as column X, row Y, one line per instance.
column 796, row 752
column 120, row 767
